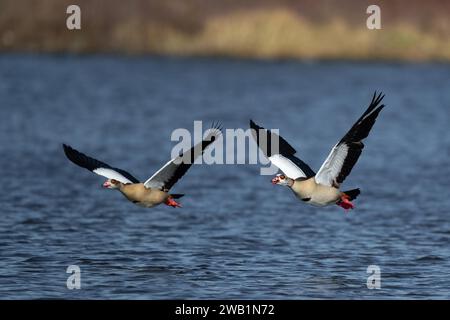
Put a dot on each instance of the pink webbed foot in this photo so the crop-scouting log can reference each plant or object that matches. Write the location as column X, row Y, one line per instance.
column 172, row 203
column 345, row 203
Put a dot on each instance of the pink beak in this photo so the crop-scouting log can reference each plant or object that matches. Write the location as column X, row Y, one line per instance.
column 275, row 180
column 106, row 184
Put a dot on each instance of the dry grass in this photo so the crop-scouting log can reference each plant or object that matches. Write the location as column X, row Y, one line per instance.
column 283, row 34
column 262, row 32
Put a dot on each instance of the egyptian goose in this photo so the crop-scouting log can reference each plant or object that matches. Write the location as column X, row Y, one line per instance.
column 155, row 190
column 323, row 188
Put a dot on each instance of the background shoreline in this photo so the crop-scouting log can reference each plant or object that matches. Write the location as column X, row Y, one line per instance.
column 326, row 30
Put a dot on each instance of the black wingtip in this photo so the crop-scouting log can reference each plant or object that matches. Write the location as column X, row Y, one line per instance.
column 377, row 98
column 67, row 149
column 214, row 132
column 254, row 126
column 255, row 130
column 72, row 154
column 217, row 127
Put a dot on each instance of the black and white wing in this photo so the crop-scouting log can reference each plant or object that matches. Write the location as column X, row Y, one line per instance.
column 97, row 166
column 284, row 156
column 173, row 170
column 346, row 152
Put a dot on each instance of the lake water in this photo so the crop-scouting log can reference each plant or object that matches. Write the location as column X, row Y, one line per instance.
column 237, row 235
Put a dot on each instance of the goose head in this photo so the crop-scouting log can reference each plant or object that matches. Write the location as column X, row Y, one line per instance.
column 111, row 184
column 281, row 179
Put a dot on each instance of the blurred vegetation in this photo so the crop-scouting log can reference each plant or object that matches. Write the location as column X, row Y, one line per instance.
column 324, row 29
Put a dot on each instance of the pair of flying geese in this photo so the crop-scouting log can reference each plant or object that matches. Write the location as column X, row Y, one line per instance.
column 319, row 189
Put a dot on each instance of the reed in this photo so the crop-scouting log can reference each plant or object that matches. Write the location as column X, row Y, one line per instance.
column 258, row 31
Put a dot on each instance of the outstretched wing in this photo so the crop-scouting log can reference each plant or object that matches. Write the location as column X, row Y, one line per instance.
column 346, row 152
column 284, row 158
column 173, row 170
column 97, row 166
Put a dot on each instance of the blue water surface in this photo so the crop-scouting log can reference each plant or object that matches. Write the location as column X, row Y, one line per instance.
column 237, row 236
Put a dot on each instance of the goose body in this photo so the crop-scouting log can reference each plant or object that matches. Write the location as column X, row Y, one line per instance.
column 321, row 188
column 155, row 190
column 315, row 194
column 142, row 196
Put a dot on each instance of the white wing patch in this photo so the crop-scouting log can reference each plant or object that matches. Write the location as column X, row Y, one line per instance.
column 158, row 179
column 111, row 174
column 332, row 166
column 288, row 167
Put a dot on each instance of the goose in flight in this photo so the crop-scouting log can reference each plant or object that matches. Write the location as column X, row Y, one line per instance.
column 155, row 190
column 323, row 188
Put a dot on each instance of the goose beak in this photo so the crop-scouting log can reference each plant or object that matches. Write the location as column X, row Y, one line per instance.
column 275, row 180
column 106, row 184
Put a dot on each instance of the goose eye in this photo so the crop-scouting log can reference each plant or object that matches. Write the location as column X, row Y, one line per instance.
column 282, row 177
column 113, row 181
